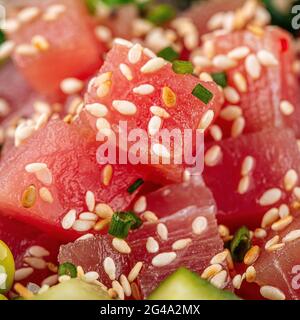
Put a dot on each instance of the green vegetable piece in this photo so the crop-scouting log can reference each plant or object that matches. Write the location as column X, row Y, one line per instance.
column 7, row 267
column 240, row 244
column 122, row 222
column 182, row 67
column 202, row 93
column 2, row 37
column 68, row 269
column 168, row 54
column 135, row 185
column 161, row 14
column 2, row 297
column 220, row 78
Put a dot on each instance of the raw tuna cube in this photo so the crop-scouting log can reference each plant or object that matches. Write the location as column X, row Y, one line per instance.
column 27, row 244
column 54, row 42
column 251, row 174
column 187, row 213
column 147, row 94
column 68, row 155
column 280, row 268
column 262, row 88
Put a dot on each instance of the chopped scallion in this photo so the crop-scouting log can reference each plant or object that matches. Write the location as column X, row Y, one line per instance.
column 2, row 37
column 135, row 185
column 182, row 67
column 202, row 93
column 168, row 54
column 122, row 222
column 220, row 78
column 68, row 269
column 240, row 244
column 161, row 14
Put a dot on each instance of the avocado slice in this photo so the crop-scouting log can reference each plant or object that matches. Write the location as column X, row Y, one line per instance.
column 73, row 289
column 186, row 285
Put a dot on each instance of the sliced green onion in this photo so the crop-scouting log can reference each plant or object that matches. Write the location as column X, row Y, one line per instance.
column 240, row 244
column 202, row 93
column 122, row 222
column 68, row 269
column 161, row 14
column 2, row 37
column 182, row 67
column 168, row 54
column 135, row 185
column 220, row 78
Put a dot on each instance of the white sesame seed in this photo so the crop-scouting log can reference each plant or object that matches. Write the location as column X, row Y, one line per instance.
column 126, row 71
column 38, row 251
column 291, row 236
column 54, row 11
column 251, row 255
column 240, row 82
column 90, row 200
column 216, row 132
column 160, row 150
column 152, row 245
column 204, row 76
column 215, row 21
column 97, row 109
column 219, row 280
column 206, row 120
column 223, row 62
column 28, row 14
column 266, row 58
column 91, row 276
column 284, row 210
column 121, row 245
column 260, row 233
column 44, row 176
column 153, row 65
column 160, row 112
column 219, row 257
column 83, row 225
column 140, row 204
column 286, row 108
column 69, row 219
column 244, row 185
column 23, row 273
column 250, row 274
column 40, row 42
column 4, row 108
column 150, row 216
column 88, row 216
column 199, row 225
column 162, row 231
column 35, row 263
column 26, row 50
column 213, row 156
column 253, row 66
column 123, row 42
column 275, row 247
column 133, row 274
column 6, row 49
column 154, row 125
column 71, row 86
column 238, row 127
column 50, row 281
column 269, row 217
column 238, row 53
column 231, row 113
column 163, row 259
column 237, row 281
column 118, row 289
column 210, row 271
column 247, row 165
column 10, row 26
column 143, row 89
column 272, row 293
column 124, row 107
column 103, row 33
column 296, row 192
column 102, row 124
column 110, row 268
column 135, row 53
column 85, row 236
column 272, row 242
column 107, row 173
column 181, row 244
column 201, row 61
column 282, row 223
column 125, row 285
column 231, row 95
column 34, row 167
column 63, row 278
column 270, row 197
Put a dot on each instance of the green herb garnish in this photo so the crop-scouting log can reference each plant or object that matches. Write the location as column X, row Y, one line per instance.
column 168, row 54
column 182, row 67
column 135, row 185
column 220, row 78
column 202, row 93
column 161, row 14
column 122, row 222
column 68, row 269
column 240, row 244
column 2, row 37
